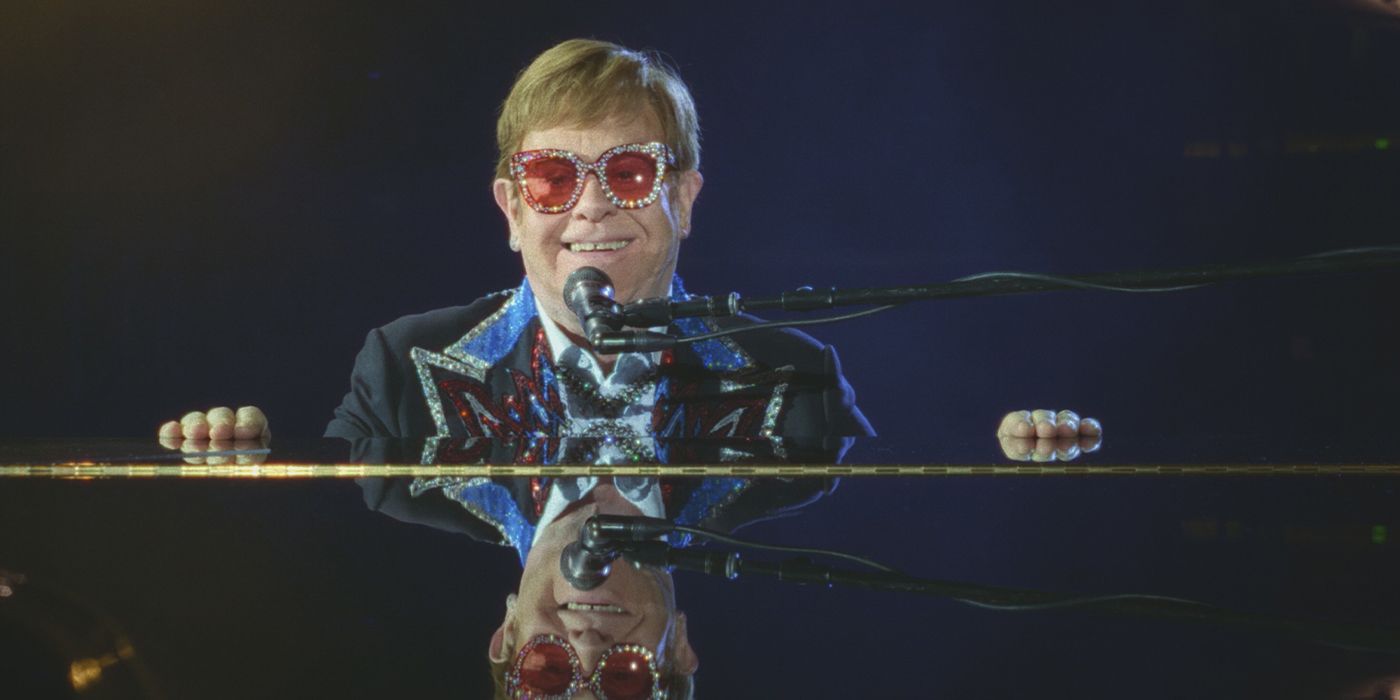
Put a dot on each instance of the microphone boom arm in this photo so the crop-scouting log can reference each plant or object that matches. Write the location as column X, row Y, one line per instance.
column 655, row 312
column 804, row 571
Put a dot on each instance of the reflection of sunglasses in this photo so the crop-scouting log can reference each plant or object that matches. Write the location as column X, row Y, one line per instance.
column 547, row 668
column 551, row 181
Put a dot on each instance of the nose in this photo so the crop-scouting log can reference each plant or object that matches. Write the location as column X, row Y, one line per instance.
column 589, row 642
column 593, row 205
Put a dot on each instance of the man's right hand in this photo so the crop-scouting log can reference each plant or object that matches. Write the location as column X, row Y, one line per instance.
column 221, row 423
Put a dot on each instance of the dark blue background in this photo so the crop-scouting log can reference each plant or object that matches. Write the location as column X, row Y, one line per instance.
column 211, row 203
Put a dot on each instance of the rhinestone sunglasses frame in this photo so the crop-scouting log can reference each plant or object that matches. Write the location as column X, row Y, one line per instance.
column 659, row 152
column 576, row 685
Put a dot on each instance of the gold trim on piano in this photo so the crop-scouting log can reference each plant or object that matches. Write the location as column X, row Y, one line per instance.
column 354, row 471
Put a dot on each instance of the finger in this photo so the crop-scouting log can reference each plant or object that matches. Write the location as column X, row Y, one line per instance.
column 1066, row 424
column 170, row 430
column 250, row 423
column 219, row 446
column 255, row 458
column 194, row 447
column 1066, row 448
column 220, row 423
column 195, row 426
column 1017, row 448
column 1090, row 443
column 1016, row 424
column 1090, row 426
column 1044, row 423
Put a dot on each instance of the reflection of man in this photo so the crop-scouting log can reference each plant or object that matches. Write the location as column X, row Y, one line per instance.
column 632, row 607
column 538, row 517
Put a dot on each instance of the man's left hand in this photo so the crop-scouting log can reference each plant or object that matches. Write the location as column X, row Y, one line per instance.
column 199, row 451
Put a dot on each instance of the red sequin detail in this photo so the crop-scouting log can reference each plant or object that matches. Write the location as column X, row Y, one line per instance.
column 539, row 494
column 483, row 413
column 687, row 412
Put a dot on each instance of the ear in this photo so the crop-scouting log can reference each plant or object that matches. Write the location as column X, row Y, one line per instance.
column 687, row 189
column 503, row 191
column 504, row 635
column 686, row 660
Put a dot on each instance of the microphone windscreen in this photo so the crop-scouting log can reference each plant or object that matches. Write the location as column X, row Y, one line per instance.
column 585, row 277
column 581, row 568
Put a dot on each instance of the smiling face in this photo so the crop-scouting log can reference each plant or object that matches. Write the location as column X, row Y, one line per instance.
column 637, row 248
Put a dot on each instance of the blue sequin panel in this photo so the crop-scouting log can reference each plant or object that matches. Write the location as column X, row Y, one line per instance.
column 716, row 355
column 497, row 502
column 709, row 495
column 497, row 339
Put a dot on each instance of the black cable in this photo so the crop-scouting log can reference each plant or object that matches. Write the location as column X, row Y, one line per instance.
column 785, row 324
column 1357, row 251
column 1007, row 607
column 1078, row 601
column 710, row 534
column 1084, row 600
column 982, row 276
column 1071, row 282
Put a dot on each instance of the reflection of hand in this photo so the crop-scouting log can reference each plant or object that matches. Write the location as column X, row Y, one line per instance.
column 1045, row 436
column 219, row 430
column 191, row 446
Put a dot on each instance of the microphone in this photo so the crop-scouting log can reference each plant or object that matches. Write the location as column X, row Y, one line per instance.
column 587, row 561
column 628, row 528
column 583, row 569
column 635, row 341
column 589, row 294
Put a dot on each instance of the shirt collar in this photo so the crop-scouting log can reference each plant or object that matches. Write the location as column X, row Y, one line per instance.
column 559, row 342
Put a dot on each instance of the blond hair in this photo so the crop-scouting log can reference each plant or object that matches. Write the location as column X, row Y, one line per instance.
column 583, row 82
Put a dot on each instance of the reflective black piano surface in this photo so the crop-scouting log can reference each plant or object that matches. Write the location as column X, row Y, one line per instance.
column 262, row 574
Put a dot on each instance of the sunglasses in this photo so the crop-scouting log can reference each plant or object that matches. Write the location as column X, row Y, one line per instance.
column 551, row 181
column 547, row 668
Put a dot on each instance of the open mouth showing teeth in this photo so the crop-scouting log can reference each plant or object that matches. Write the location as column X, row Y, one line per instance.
column 589, row 607
column 592, row 247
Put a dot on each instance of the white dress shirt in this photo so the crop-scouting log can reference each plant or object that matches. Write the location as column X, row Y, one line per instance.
column 587, row 417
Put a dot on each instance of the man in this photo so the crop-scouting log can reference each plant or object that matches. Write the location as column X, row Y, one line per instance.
column 598, row 166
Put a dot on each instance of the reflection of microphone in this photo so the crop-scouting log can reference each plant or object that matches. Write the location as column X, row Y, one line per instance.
column 589, row 294
column 628, row 528
column 586, row 562
column 584, row 569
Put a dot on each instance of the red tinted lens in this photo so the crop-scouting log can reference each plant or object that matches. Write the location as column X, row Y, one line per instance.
column 631, row 175
column 546, row 670
column 551, row 181
column 626, row 677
